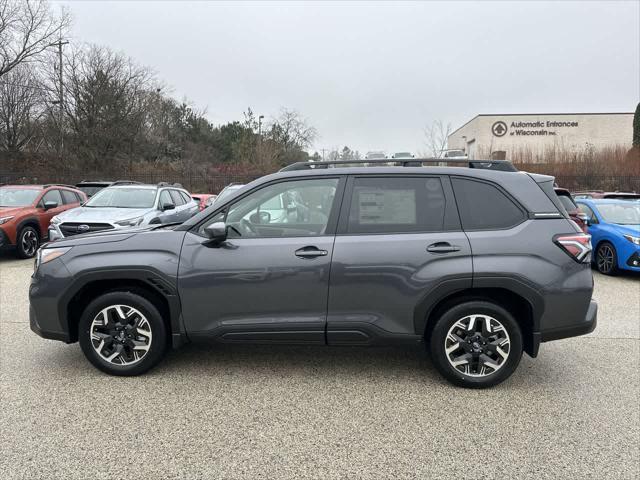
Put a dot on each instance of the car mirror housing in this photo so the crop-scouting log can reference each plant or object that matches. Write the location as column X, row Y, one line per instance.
column 50, row 205
column 216, row 232
column 168, row 206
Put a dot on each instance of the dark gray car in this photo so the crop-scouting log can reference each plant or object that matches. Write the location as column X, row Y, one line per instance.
column 480, row 265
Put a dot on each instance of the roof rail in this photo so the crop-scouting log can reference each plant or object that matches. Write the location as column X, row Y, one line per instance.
column 126, row 182
column 501, row 165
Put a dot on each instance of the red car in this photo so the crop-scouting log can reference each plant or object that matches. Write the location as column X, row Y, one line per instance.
column 572, row 209
column 203, row 199
column 25, row 213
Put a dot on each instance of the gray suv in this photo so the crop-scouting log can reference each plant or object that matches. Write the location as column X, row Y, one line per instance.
column 479, row 264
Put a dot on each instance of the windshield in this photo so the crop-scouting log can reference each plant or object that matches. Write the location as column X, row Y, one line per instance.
column 17, row 197
column 123, row 198
column 622, row 214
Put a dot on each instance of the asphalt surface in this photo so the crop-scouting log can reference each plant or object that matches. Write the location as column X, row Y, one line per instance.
column 300, row 412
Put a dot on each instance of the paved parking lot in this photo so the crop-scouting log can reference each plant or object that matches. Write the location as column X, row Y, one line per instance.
column 302, row 412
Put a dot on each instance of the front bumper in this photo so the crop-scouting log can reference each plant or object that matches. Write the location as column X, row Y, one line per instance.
column 5, row 241
column 48, row 334
column 582, row 328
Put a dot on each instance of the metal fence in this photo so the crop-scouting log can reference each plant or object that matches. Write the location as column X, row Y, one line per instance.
column 192, row 181
column 199, row 183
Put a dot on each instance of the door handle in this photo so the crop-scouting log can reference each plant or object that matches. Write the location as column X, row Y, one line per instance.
column 442, row 247
column 310, row 252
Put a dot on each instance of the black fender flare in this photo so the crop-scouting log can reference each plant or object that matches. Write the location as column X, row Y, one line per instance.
column 31, row 221
column 451, row 286
column 151, row 277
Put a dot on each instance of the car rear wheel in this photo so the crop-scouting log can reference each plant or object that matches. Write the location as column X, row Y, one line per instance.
column 122, row 333
column 476, row 344
column 27, row 242
column 607, row 259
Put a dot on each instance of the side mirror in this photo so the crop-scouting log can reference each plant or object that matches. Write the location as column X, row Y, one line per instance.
column 216, row 232
column 167, row 206
column 50, row 205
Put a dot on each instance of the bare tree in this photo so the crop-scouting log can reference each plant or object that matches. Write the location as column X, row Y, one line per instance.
column 21, row 106
column 27, row 28
column 107, row 102
column 436, row 137
column 292, row 131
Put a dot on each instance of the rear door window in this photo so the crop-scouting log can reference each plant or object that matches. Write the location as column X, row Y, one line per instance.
column 396, row 205
column 69, row 197
column 484, row 206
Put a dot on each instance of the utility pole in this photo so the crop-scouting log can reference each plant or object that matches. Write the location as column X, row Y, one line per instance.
column 260, row 126
column 59, row 44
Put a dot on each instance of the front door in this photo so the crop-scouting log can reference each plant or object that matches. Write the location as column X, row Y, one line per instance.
column 399, row 241
column 269, row 281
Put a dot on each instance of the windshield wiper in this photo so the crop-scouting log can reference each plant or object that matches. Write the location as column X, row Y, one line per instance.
column 172, row 224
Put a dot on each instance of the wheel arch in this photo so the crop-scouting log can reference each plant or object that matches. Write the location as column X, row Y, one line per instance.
column 524, row 303
column 144, row 283
column 28, row 222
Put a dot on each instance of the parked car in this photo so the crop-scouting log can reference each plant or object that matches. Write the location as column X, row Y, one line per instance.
column 610, row 195
column 227, row 191
column 125, row 206
column 453, row 154
column 572, row 209
column 614, row 226
column 479, row 265
column 90, row 188
column 403, row 155
column 376, row 155
column 25, row 212
column 203, row 199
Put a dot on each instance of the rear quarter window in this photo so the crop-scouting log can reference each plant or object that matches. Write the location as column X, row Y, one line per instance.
column 484, row 206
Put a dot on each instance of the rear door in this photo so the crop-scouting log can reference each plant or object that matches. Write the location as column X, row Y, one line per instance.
column 399, row 239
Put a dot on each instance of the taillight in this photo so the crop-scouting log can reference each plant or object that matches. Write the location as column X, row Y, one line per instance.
column 577, row 246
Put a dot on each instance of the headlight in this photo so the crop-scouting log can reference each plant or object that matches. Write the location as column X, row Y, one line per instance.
column 55, row 220
column 5, row 219
column 45, row 255
column 131, row 222
column 632, row 239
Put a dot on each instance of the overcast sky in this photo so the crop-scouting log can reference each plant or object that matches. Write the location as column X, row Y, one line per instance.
column 373, row 75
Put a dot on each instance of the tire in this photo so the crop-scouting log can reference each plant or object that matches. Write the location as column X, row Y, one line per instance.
column 476, row 345
column 134, row 328
column 27, row 242
column 607, row 259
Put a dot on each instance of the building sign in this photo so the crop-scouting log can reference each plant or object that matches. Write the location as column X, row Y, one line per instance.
column 538, row 127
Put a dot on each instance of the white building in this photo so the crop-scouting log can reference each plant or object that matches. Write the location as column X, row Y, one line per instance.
column 485, row 135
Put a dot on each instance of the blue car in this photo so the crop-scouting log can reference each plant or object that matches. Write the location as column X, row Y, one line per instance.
column 614, row 226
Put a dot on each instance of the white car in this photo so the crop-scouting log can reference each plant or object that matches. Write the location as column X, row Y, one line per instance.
column 125, row 206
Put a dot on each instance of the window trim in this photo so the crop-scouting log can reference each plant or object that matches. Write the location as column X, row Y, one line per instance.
column 332, row 221
column 451, row 221
column 518, row 205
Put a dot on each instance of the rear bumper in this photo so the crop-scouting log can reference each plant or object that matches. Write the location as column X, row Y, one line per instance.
column 588, row 325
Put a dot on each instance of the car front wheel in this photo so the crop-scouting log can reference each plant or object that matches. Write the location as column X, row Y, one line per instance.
column 122, row 333
column 27, row 242
column 607, row 259
column 476, row 344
